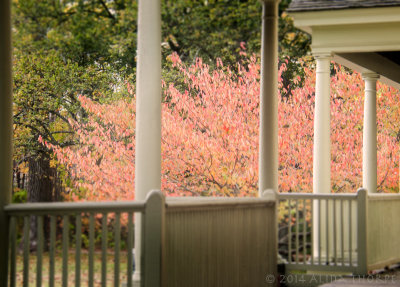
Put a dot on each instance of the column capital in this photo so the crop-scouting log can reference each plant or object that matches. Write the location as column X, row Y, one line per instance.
column 321, row 56
column 270, row 9
column 270, row 1
column 370, row 76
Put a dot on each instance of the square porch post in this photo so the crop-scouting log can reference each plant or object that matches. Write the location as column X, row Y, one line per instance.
column 5, row 132
column 148, row 110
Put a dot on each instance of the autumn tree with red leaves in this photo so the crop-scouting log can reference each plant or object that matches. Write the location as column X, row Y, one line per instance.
column 210, row 136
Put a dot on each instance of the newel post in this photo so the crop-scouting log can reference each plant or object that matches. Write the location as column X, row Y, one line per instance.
column 362, row 232
column 272, row 227
column 152, row 239
column 5, row 132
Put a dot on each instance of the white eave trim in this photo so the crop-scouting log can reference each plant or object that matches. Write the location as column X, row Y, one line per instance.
column 306, row 20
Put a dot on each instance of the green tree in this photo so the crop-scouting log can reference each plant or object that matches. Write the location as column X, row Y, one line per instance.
column 72, row 47
column 216, row 28
column 55, row 60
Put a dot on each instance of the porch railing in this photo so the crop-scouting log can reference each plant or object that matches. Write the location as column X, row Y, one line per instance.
column 220, row 241
column 50, row 217
column 325, row 232
column 383, row 230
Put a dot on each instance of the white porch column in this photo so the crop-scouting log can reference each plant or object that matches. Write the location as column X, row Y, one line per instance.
column 322, row 127
column 370, row 134
column 5, row 132
column 268, row 146
column 322, row 149
column 148, row 109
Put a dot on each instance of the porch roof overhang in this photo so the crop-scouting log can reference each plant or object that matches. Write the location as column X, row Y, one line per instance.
column 363, row 39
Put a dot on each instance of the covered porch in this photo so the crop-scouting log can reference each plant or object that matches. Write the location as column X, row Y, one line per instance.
column 350, row 233
column 232, row 242
column 177, row 242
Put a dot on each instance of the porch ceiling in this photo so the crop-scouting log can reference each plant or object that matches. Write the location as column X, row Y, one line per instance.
column 387, row 67
column 363, row 39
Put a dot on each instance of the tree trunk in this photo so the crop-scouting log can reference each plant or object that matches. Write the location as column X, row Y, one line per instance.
column 41, row 188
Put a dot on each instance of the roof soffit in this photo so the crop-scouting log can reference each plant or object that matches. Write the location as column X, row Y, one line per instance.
column 314, row 5
column 365, row 39
column 307, row 20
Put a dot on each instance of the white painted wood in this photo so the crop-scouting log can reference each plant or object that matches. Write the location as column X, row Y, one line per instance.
column 5, row 132
column 229, row 244
column 307, row 20
column 362, row 231
column 153, row 230
column 356, row 38
column 322, row 149
column 369, row 61
column 322, row 141
column 356, row 34
column 148, row 109
column 268, row 149
column 370, row 133
column 340, row 228
column 383, row 230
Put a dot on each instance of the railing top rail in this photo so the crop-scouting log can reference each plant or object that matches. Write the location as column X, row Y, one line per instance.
column 346, row 196
column 383, row 196
column 214, row 202
column 74, row 207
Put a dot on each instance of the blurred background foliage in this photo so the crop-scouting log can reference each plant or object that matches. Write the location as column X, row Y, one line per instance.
column 66, row 48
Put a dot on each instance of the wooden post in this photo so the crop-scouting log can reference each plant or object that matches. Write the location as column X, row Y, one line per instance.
column 5, row 132
column 369, row 134
column 322, row 127
column 362, row 213
column 322, row 149
column 152, row 237
column 273, row 260
column 268, row 147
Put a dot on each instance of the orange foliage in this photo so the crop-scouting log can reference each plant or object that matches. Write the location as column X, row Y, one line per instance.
column 210, row 136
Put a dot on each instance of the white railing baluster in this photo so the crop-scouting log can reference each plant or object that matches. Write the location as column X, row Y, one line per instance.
column 52, row 250
column 117, row 247
column 129, row 250
column 297, row 231
column 26, row 251
column 78, row 243
column 350, row 234
column 13, row 251
column 312, row 231
column 334, row 233
column 65, row 245
column 319, row 231
column 104, row 250
column 91, row 250
column 342, row 230
column 39, row 251
column 304, row 232
column 290, row 230
column 327, row 230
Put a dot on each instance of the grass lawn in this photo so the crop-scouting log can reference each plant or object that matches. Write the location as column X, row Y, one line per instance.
column 71, row 268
